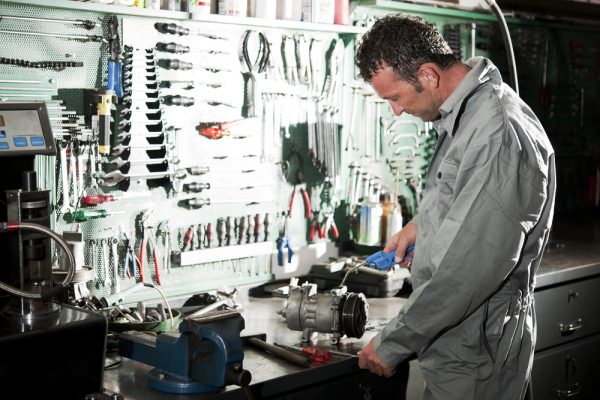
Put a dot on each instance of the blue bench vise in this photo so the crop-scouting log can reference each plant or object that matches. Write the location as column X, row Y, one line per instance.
column 203, row 357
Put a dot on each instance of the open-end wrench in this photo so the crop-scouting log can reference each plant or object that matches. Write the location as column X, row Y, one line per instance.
column 366, row 122
column 119, row 162
column 94, row 262
column 114, row 177
column 73, row 173
column 105, row 262
column 120, row 149
column 81, row 164
column 378, row 125
column 115, row 258
column 399, row 136
column 93, row 160
column 355, row 100
column 66, row 203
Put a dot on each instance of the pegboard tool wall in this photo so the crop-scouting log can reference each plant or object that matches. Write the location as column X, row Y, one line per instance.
column 233, row 182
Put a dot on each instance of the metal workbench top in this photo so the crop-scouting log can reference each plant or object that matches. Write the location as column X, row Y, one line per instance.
column 573, row 251
column 270, row 375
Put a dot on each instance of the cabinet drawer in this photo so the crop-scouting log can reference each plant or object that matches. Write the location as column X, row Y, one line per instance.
column 569, row 371
column 567, row 312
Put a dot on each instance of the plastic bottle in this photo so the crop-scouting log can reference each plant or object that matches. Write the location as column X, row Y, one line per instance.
column 370, row 222
column 153, row 4
column 388, row 206
column 264, row 9
column 236, row 8
column 319, row 11
column 394, row 222
column 341, row 14
column 199, row 6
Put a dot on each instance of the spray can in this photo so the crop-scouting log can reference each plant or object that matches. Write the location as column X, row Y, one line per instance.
column 236, row 8
column 199, row 6
column 319, row 11
column 152, row 4
column 387, row 206
column 394, row 222
column 265, row 9
column 341, row 14
column 370, row 222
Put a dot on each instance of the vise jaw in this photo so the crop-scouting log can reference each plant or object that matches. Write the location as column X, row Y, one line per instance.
column 204, row 356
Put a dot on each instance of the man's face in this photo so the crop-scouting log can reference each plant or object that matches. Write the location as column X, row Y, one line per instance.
column 403, row 97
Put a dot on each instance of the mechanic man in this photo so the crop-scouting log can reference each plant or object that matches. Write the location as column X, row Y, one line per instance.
column 483, row 221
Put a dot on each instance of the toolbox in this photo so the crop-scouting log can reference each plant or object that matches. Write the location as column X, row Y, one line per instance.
column 371, row 282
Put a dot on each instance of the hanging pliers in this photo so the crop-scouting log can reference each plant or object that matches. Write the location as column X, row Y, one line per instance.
column 149, row 243
column 298, row 180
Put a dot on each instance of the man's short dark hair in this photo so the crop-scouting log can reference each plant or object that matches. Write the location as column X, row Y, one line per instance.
column 404, row 43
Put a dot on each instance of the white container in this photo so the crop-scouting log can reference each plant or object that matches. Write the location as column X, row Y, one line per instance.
column 289, row 9
column 265, row 9
column 370, row 222
column 236, row 8
column 199, row 6
column 394, row 223
column 152, row 4
column 319, row 11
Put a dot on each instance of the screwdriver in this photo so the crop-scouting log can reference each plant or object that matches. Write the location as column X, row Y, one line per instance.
column 95, row 199
column 177, row 100
column 175, row 64
column 172, row 48
column 196, row 187
column 84, row 215
column 175, row 29
column 317, row 354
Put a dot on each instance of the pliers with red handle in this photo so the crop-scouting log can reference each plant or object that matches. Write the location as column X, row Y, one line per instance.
column 148, row 242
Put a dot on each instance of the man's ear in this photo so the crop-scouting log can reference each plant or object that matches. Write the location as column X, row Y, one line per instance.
column 429, row 76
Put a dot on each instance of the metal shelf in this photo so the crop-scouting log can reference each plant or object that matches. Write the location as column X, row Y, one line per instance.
column 103, row 8
column 180, row 15
column 277, row 23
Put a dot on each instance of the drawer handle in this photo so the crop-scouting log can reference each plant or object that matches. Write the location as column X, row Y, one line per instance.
column 566, row 329
column 572, row 391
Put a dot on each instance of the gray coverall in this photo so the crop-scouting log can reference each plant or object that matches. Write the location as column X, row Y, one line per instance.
column 483, row 224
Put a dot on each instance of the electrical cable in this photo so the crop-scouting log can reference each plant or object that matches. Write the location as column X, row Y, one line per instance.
column 350, row 271
column 510, row 54
column 14, row 226
column 165, row 300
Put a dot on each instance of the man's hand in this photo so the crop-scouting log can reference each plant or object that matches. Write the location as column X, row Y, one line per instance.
column 368, row 359
column 400, row 242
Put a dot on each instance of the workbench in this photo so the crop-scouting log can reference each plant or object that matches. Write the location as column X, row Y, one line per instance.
column 275, row 378
column 572, row 258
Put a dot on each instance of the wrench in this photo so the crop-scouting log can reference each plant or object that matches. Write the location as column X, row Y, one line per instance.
column 66, row 203
column 115, row 256
column 119, row 162
column 114, row 177
column 120, row 149
column 355, row 94
column 81, row 150
column 73, row 172
column 92, row 172
column 105, row 250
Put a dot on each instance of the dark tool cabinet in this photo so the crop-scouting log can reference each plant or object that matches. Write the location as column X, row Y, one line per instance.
column 567, row 300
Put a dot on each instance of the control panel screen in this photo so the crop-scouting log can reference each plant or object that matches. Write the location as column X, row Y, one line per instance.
column 25, row 129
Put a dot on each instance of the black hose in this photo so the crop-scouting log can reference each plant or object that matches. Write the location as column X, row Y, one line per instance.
column 27, row 226
column 510, row 54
